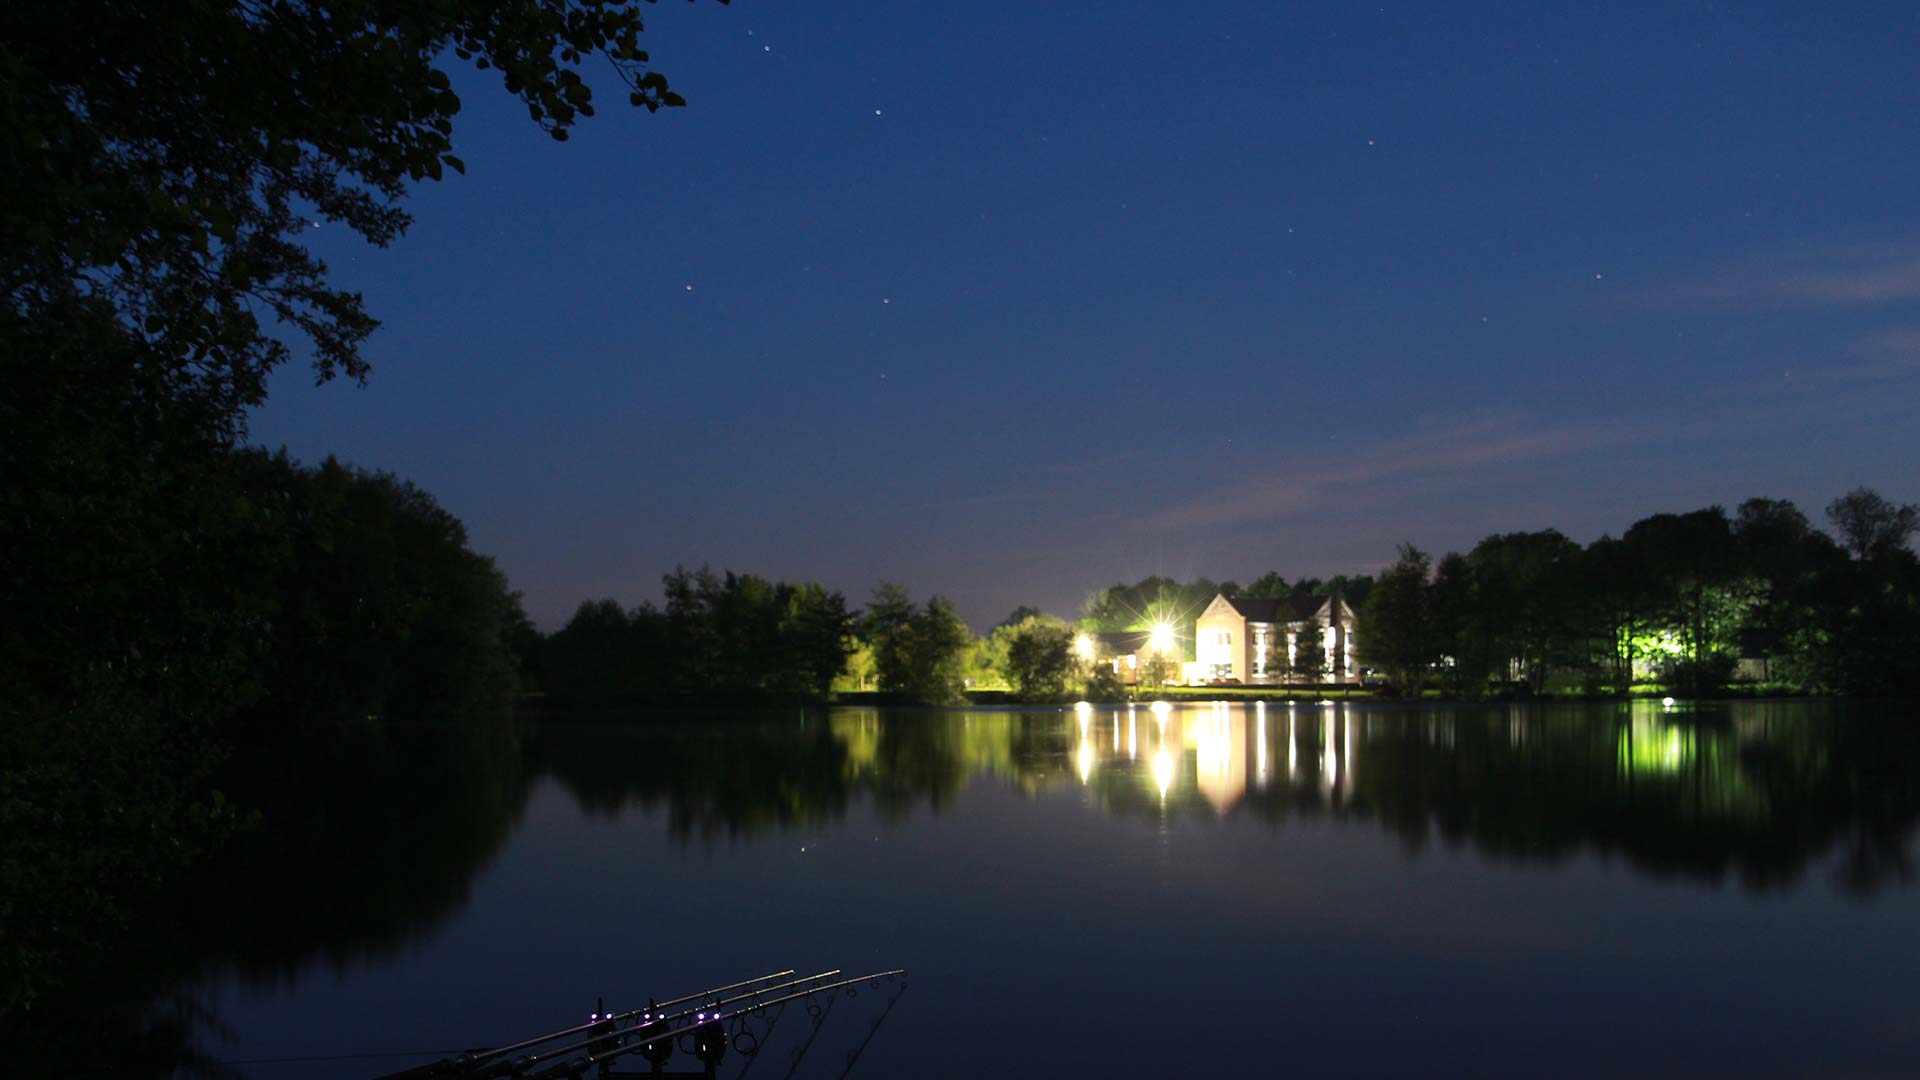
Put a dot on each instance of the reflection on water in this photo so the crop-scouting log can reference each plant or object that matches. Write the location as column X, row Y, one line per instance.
column 1753, row 789
column 378, row 842
column 1757, row 789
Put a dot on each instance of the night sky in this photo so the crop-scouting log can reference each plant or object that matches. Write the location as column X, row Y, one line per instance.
column 1011, row 301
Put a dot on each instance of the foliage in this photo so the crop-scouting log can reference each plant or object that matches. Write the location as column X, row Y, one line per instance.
column 721, row 635
column 1149, row 601
column 1395, row 631
column 1103, row 685
column 381, row 607
column 296, row 599
column 1309, row 660
column 163, row 166
column 739, row 633
column 1871, row 527
column 1680, row 598
column 1040, row 658
column 167, row 160
column 919, row 653
column 1158, row 669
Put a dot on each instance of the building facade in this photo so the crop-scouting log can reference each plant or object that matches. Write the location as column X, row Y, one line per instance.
column 1257, row 640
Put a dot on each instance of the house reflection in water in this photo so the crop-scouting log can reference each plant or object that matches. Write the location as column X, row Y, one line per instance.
column 1220, row 750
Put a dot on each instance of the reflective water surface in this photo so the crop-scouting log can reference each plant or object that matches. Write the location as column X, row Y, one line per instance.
column 1586, row 890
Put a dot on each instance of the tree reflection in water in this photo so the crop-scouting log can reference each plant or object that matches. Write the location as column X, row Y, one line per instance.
column 1757, row 790
column 374, row 840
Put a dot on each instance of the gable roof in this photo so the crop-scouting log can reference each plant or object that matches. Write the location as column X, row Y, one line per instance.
column 1297, row 607
column 1122, row 642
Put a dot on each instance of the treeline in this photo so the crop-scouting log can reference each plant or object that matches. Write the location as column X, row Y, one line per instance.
column 740, row 637
column 1159, row 599
column 1678, row 599
column 720, row 635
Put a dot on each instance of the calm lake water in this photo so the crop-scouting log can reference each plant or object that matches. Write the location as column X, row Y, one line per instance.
column 1724, row 890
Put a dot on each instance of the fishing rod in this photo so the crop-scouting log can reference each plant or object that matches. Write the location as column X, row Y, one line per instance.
column 473, row 1059
column 819, row 1022
column 601, row 1034
column 854, row 1056
column 655, row 1035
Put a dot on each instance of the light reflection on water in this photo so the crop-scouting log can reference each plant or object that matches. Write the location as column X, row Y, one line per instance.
column 1369, row 878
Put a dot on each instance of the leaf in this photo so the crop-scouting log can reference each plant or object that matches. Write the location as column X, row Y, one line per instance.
column 456, row 164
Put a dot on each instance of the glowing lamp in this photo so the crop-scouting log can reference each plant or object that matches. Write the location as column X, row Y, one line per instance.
column 1084, row 646
column 1161, row 640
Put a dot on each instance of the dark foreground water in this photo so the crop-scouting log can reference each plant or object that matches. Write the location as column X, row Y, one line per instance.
column 1593, row 890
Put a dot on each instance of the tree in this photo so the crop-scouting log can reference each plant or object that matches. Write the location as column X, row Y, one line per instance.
column 1148, row 601
column 1269, row 585
column 918, row 653
column 1040, row 657
column 1158, row 669
column 1697, row 589
column 1466, row 654
column 167, row 161
column 1870, row 527
column 1396, row 624
column 742, row 635
column 163, row 165
column 1309, row 660
column 884, row 626
column 1019, row 615
column 1524, row 586
column 936, row 655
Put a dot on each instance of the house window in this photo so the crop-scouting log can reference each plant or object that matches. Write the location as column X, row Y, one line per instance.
column 1221, row 671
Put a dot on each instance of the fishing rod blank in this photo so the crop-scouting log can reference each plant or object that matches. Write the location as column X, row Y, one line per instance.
column 472, row 1059
column 531, row 1060
column 569, row 1067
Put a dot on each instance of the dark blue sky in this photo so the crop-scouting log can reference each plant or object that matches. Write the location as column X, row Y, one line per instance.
column 1009, row 301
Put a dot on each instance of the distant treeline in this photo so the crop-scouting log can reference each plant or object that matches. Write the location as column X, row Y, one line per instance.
column 736, row 635
column 731, row 636
column 1678, row 599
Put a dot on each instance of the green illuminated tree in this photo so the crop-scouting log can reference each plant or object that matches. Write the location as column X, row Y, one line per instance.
column 1040, row 657
column 919, row 653
column 1698, row 591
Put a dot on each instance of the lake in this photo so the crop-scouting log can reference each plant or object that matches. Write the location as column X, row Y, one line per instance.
column 1592, row 890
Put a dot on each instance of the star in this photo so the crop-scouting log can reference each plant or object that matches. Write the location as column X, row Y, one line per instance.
column 876, row 112
column 689, row 288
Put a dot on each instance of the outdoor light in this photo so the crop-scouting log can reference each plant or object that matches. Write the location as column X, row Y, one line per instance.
column 1162, row 637
column 1083, row 707
column 1084, row 646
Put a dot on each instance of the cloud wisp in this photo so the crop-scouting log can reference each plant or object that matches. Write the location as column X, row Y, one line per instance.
column 1465, row 450
column 1834, row 277
column 1889, row 352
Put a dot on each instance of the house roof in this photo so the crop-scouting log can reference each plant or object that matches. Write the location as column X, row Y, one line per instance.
column 1295, row 608
column 1122, row 642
